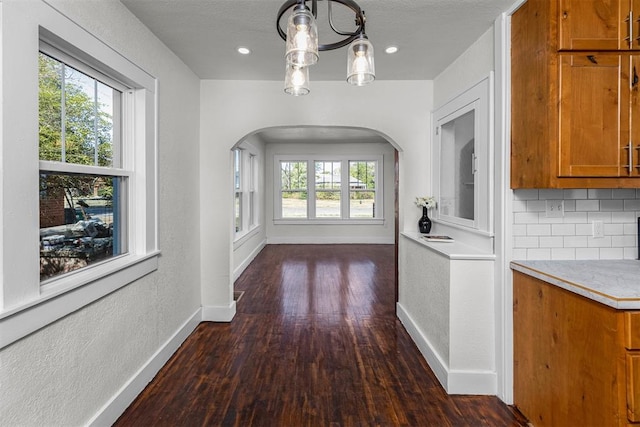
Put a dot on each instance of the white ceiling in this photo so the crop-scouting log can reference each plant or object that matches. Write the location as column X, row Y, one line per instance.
column 206, row 33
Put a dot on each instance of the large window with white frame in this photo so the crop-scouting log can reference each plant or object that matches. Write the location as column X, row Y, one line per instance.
column 328, row 188
column 82, row 182
column 79, row 148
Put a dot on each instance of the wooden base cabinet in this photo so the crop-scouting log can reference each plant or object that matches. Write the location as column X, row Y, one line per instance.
column 576, row 361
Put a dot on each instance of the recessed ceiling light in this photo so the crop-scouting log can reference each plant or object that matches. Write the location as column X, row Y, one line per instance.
column 244, row 50
column 391, row 49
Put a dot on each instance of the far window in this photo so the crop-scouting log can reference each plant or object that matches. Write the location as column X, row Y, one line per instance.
column 293, row 189
column 343, row 189
column 82, row 183
column 245, row 187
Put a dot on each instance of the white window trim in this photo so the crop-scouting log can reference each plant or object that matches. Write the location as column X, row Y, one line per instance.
column 248, row 185
column 25, row 305
column 344, row 207
column 478, row 98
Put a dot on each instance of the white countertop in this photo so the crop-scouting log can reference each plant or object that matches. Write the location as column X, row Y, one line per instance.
column 452, row 250
column 615, row 283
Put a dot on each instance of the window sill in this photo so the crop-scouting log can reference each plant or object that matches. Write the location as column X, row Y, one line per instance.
column 376, row 221
column 71, row 294
column 243, row 238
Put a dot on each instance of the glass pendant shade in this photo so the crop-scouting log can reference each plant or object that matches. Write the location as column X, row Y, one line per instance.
column 296, row 80
column 302, row 38
column 360, row 67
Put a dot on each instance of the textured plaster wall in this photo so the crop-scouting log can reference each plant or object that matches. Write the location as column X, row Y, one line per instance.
column 64, row 373
column 425, row 293
column 231, row 110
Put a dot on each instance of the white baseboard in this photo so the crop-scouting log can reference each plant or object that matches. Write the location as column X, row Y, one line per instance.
column 473, row 382
column 453, row 381
column 211, row 313
column 330, row 240
column 245, row 263
column 435, row 362
column 115, row 407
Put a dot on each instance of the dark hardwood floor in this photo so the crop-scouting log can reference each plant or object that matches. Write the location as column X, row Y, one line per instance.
column 315, row 342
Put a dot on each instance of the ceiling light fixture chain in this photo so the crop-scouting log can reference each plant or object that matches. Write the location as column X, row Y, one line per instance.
column 302, row 46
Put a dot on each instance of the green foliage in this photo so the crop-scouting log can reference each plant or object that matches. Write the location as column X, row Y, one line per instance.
column 84, row 131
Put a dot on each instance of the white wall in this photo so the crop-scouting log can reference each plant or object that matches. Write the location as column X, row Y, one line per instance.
column 472, row 66
column 325, row 233
column 230, row 110
column 66, row 372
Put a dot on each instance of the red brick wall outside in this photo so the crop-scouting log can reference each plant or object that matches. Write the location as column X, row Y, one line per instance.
column 51, row 212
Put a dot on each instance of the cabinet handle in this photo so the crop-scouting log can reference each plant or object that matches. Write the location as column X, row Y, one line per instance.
column 637, row 147
column 634, row 79
column 630, row 29
column 629, row 149
column 592, row 58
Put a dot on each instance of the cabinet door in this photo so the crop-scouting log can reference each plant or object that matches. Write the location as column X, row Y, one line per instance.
column 594, row 115
column 632, row 151
column 595, row 25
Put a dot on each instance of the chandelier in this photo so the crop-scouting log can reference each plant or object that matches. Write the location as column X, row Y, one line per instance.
column 302, row 44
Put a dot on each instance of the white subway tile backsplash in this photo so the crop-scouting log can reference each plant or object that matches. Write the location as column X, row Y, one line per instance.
column 536, row 205
column 612, row 205
column 623, row 193
column 587, row 205
column 539, row 254
column 526, row 195
column 587, row 253
column 571, row 236
column 631, row 253
column 575, row 242
column 623, row 217
column 550, row 194
column 584, row 229
column 632, row 205
column 526, row 242
column 613, row 229
column 604, row 242
column 611, row 253
column 539, row 229
column 575, row 217
column 519, row 206
column 563, row 229
column 575, row 194
column 563, row 253
column 599, row 193
column 525, row 218
column 599, row 216
column 551, row 242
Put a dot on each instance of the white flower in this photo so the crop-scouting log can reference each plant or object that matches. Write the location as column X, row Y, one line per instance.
column 426, row 202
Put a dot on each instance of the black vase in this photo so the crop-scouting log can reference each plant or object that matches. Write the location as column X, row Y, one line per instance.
column 424, row 223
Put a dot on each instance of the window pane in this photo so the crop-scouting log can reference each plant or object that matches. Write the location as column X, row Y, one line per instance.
column 76, row 115
column 294, row 195
column 457, row 197
column 81, row 221
column 328, row 178
column 362, row 189
column 237, row 162
column 238, row 209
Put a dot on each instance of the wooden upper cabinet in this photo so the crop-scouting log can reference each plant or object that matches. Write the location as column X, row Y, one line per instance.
column 594, row 114
column 599, row 25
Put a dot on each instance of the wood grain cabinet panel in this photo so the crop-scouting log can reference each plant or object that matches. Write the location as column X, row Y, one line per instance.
column 575, row 113
column 632, row 330
column 594, row 25
column 594, row 114
column 633, row 386
column 570, row 361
